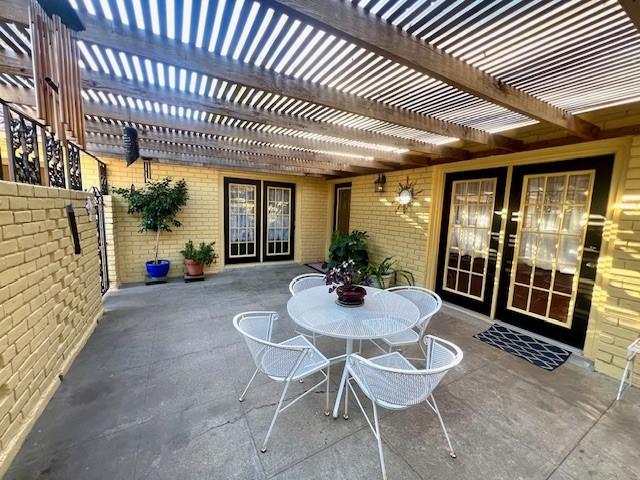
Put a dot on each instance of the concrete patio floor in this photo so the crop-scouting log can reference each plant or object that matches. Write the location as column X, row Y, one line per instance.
column 153, row 395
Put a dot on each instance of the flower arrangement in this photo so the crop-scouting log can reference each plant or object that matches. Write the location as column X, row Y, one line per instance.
column 347, row 280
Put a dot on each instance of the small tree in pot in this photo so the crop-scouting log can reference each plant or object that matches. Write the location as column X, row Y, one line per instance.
column 158, row 204
column 196, row 258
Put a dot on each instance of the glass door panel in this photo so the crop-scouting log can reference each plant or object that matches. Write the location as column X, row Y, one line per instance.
column 552, row 242
column 472, row 204
column 549, row 242
column 469, row 237
column 242, row 220
column 279, row 211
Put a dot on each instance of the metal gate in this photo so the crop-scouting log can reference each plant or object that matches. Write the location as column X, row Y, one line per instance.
column 102, row 241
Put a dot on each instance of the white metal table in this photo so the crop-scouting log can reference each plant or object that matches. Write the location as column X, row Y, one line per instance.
column 383, row 313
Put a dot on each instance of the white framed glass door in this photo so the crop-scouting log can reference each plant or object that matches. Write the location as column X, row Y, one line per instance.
column 549, row 244
column 279, row 212
column 554, row 229
column 469, row 237
column 242, row 220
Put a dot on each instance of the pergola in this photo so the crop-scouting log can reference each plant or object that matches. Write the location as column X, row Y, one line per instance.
column 336, row 88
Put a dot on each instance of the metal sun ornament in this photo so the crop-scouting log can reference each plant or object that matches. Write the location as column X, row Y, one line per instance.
column 407, row 194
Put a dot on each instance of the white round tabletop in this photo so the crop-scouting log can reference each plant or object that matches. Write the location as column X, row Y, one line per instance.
column 383, row 313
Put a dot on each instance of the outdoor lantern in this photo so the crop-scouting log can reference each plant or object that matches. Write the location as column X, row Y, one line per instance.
column 130, row 144
column 379, row 183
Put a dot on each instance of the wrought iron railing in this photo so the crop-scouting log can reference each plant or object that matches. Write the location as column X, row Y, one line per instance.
column 52, row 164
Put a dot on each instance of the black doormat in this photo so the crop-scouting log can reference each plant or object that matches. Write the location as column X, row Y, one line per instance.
column 539, row 353
column 317, row 266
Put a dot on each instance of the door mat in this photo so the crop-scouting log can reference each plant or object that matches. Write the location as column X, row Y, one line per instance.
column 317, row 266
column 539, row 353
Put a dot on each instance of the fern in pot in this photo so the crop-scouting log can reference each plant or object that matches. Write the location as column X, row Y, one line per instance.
column 385, row 275
column 195, row 258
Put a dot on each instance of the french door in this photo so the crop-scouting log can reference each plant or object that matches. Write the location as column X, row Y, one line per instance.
column 258, row 220
column 279, row 213
column 469, row 237
column 554, row 230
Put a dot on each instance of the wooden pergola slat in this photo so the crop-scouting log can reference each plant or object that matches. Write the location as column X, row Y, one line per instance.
column 120, row 86
column 227, row 160
column 176, row 139
column 353, row 23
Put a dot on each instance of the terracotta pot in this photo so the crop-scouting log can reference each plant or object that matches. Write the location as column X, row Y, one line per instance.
column 351, row 296
column 194, row 269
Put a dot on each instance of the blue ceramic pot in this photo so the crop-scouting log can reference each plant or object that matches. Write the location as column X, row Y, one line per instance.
column 158, row 270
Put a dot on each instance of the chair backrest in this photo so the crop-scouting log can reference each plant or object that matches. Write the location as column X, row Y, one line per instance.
column 400, row 388
column 275, row 360
column 427, row 301
column 308, row 280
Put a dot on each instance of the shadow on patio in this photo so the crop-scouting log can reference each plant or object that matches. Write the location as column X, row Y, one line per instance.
column 154, row 395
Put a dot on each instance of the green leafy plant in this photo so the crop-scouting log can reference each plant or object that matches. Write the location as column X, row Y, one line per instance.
column 348, row 246
column 204, row 254
column 158, row 204
column 386, row 268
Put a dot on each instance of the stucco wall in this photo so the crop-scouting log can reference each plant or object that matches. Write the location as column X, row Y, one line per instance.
column 49, row 301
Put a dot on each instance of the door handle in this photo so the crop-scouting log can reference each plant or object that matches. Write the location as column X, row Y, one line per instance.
column 591, row 265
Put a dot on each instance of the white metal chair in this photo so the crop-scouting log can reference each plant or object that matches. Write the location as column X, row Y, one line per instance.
column 391, row 381
column 307, row 280
column 428, row 303
column 303, row 282
column 288, row 361
column 627, row 374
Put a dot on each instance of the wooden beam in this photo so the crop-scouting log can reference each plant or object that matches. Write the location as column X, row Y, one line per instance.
column 245, row 112
column 25, row 97
column 352, row 23
column 197, row 150
column 115, row 132
column 632, row 9
column 143, row 44
column 216, row 106
column 137, row 42
column 225, row 161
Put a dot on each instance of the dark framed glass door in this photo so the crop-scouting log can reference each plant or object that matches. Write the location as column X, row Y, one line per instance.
column 279, row 216
column 553, row 236
column 242, row 220
column 469, row 237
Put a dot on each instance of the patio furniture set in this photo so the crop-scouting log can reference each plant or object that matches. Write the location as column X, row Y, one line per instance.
column 396, row 317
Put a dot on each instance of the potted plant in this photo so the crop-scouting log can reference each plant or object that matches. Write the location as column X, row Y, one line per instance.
column 158, row 204
column 196, row 258
column 385, row 275
column 348, row 246
column 347, row 280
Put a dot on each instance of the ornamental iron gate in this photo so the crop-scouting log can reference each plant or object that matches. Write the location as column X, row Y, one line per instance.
column 102, row 240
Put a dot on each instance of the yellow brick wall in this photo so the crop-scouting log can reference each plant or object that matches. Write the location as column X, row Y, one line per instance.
column 391, row 232
column 619, row 291
column 413, row 238
column 49, row 301
column 202, row 218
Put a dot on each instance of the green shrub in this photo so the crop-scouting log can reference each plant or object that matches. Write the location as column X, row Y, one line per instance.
column 204, row 254
column 348, row 246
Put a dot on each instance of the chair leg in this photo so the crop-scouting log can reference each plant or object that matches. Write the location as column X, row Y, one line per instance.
column 435, row 407
column 275, row 415
column 241, row 399
column 624, row 379
column 345, row 415
column 327, row 412
column 379, row 439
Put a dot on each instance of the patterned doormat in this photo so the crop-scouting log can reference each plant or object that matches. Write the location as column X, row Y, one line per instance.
column 317, row 266
column 539, row 353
